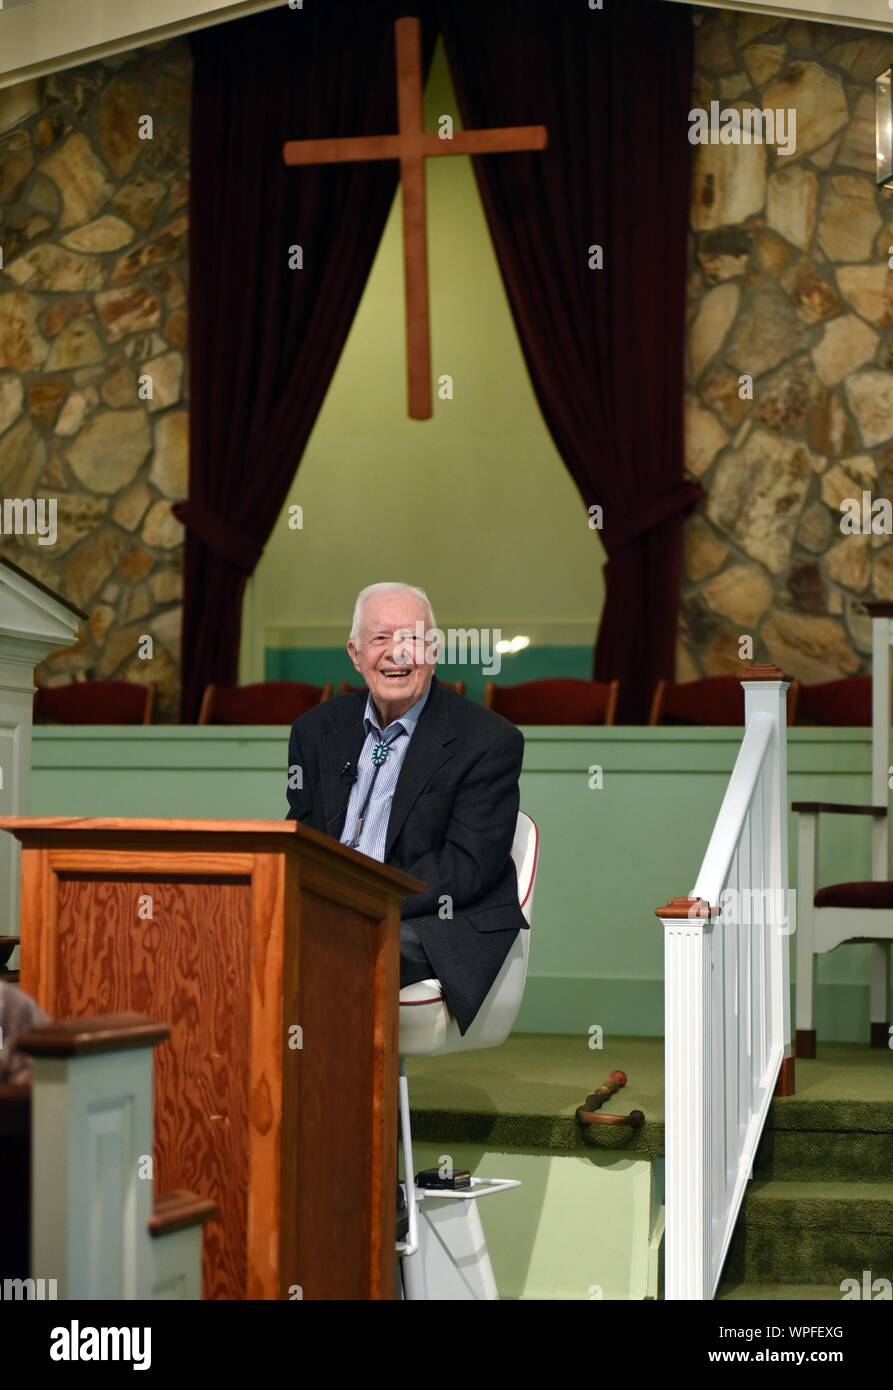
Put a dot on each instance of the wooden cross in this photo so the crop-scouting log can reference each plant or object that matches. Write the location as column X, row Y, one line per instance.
column 411, row 145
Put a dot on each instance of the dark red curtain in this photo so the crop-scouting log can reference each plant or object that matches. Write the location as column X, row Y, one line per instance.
column 265, row 338
column 604, row 348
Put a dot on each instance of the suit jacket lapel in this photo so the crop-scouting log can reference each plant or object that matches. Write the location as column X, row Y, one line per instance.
column 426, row 753
column 343, row 742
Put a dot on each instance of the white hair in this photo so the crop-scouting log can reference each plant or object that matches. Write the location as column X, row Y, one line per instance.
column 373, row 591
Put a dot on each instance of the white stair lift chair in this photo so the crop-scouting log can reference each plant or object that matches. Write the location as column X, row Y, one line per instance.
column 829, row 917
column 445, row 1255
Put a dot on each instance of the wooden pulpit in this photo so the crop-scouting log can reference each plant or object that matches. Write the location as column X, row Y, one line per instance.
column 272, row 952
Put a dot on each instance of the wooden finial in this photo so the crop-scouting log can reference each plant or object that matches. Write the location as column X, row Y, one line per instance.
column 762, row 671
column 683, row 909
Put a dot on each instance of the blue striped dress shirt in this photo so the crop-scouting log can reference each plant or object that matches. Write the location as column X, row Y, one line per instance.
column 374, row 834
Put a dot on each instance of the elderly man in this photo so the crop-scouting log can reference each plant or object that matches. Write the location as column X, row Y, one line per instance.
column 416, row 776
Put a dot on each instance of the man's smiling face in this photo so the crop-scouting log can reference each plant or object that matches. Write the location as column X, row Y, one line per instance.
column 388, row 656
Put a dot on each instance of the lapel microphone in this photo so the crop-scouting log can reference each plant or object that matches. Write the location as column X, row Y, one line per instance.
column 348, row 775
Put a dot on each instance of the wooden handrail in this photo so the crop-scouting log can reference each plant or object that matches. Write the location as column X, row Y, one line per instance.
column 736, row 803
column 177, row 1211
column 83, row 1037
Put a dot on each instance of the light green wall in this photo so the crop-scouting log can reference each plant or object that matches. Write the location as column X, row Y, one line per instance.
column 609, row 857
column 475, row 504
column 614, row 1253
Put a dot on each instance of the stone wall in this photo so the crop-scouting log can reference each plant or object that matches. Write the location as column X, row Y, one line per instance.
column 93, row 229
column 789, row 284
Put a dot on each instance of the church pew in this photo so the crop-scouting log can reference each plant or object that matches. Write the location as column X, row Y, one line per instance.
column 76, row 1155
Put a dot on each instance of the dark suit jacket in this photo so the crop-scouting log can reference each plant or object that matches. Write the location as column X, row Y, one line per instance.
column 451, row 825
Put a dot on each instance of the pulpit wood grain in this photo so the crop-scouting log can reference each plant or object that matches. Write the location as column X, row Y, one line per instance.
column 272, row 953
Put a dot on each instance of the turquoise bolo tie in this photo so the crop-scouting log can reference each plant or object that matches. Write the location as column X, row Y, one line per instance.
column 380, row 751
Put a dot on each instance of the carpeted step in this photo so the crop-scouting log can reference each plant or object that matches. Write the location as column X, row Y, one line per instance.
column 812, row 1233
column 820, row 1206
column 534, row 1083
column 798, row 1155
column 781, row 1293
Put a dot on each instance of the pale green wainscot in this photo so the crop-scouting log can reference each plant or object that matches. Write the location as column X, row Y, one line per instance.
column 610, row 854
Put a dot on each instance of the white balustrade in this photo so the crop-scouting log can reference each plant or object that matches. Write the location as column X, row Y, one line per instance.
column 727, row 1001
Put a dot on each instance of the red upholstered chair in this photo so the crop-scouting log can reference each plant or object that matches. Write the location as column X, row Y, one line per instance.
column 94, row 702
column 836, row 703
column 557, row 701
column 345, row 688
column 268, row 702
column 711, row 700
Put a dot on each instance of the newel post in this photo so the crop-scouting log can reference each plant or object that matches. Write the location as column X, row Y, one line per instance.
column 686, row 1043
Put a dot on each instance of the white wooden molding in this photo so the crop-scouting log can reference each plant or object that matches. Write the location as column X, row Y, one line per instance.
column 858, row 14
column 33, row 623
column 42, row 36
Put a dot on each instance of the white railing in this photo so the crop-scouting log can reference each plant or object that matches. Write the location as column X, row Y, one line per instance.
column 727, row 1002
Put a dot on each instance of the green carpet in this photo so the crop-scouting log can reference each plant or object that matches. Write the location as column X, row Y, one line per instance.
column 524, row 1095
column 816, row 1206
column 812, row 1232
column 820, row 1207
column 786, row 1293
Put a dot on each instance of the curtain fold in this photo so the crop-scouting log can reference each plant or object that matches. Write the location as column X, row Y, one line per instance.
column 265, row 338
column 604, row 347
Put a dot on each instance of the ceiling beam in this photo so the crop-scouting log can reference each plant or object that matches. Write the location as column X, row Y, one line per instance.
column 858, row 14
column 45, row 36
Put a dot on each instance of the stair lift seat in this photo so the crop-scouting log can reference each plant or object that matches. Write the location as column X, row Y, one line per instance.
column 426, row 1028
column 446, row 1240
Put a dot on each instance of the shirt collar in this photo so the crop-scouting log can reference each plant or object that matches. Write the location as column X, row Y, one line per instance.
column 408, row 720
